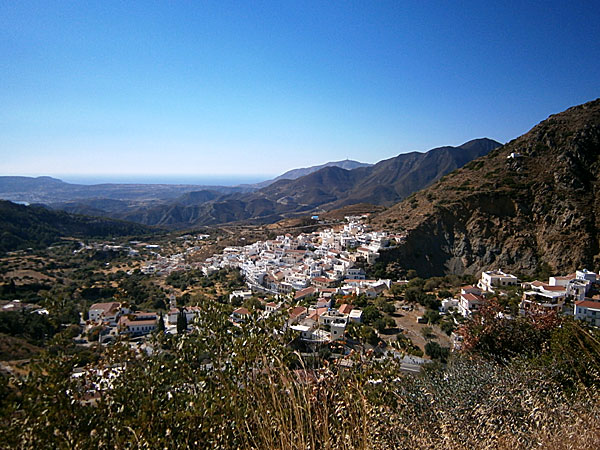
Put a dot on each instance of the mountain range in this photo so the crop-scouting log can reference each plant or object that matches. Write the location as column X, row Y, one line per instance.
column 296, row 192
column 328, row 188
column 530, row 206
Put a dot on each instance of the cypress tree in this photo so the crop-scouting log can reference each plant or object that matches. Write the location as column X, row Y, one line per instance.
column 161, row 323
column 181, row 321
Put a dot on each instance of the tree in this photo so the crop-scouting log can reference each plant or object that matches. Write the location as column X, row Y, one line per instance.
column 161, row 322
column 493, row 333
column 444, row 294
column 380, row 324
column 431, row 284
column 390, row 322
column 368, row 335
column 448, row 326
column 436, row 351
column 432, row 316
column 413, row 294
column 371, row 314
column 10, row 288
column 389, row 308
column 181, row 321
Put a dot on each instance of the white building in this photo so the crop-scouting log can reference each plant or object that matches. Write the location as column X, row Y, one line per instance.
column 496, row 278
column 107, row 312
column 138, row 324
column 469, row 304
column 355, row 315
column 448, row 303
column 244, row 295
column 589, row 311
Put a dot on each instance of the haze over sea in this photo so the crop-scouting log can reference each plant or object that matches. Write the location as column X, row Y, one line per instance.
column 203, row 180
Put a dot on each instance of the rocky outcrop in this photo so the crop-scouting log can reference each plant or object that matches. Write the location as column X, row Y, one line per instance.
column 531, row 203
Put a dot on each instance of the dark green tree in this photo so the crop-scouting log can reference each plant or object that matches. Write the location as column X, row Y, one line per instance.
column 371, row 314
column 161, row 322
column 181, row 321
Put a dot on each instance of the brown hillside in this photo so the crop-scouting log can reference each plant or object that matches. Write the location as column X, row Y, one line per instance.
column 513, row 213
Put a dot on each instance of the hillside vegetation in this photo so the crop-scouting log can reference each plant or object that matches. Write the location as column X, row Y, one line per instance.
column 23, row 227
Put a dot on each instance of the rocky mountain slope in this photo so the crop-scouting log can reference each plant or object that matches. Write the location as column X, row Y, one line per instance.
column 531, row 204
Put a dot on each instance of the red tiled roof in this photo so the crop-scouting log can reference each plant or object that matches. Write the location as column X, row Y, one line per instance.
column 472, row 297
column 554, row 288
column 106, row 307
column 345, row 308
column 305, row 292
column 588, row 304
column 128, row 322
column 242, row 311
column 322, row 280
column 313, row 316
column 297, row 311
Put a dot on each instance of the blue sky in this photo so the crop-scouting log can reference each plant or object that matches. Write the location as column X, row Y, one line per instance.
column 192, row 87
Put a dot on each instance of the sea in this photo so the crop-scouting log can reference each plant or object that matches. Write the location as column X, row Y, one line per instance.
column 199, row 180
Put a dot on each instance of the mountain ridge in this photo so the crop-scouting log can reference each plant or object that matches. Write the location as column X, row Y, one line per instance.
column 293, row 174
column 326, row 189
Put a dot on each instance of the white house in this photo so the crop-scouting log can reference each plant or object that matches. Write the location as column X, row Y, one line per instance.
column 337, row 331
column 496, row 278
column 244, row 295
column 543, row 297
column 355, row 315
column 107, row 312
column 448, row 303
column 333, row 317
column 588, row 310
column 240, row 315
column 190, row 313
column 138, row 324
column 585, row 274
column 469, row 303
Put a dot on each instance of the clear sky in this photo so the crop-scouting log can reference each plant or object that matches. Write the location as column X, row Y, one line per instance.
column 250, row 87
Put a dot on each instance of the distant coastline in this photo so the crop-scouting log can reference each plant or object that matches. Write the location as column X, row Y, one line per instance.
column 200, row 180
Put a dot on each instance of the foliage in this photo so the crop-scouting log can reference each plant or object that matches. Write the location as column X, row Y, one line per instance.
column 219, row 387
column 436, row 351
column 36, row 328
column 181, row 321
column 428, row 333
column 498, row 336
column 23, row 227
column 432, row 316
column 370, row 314
column 161, row 323
column 448, row 326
